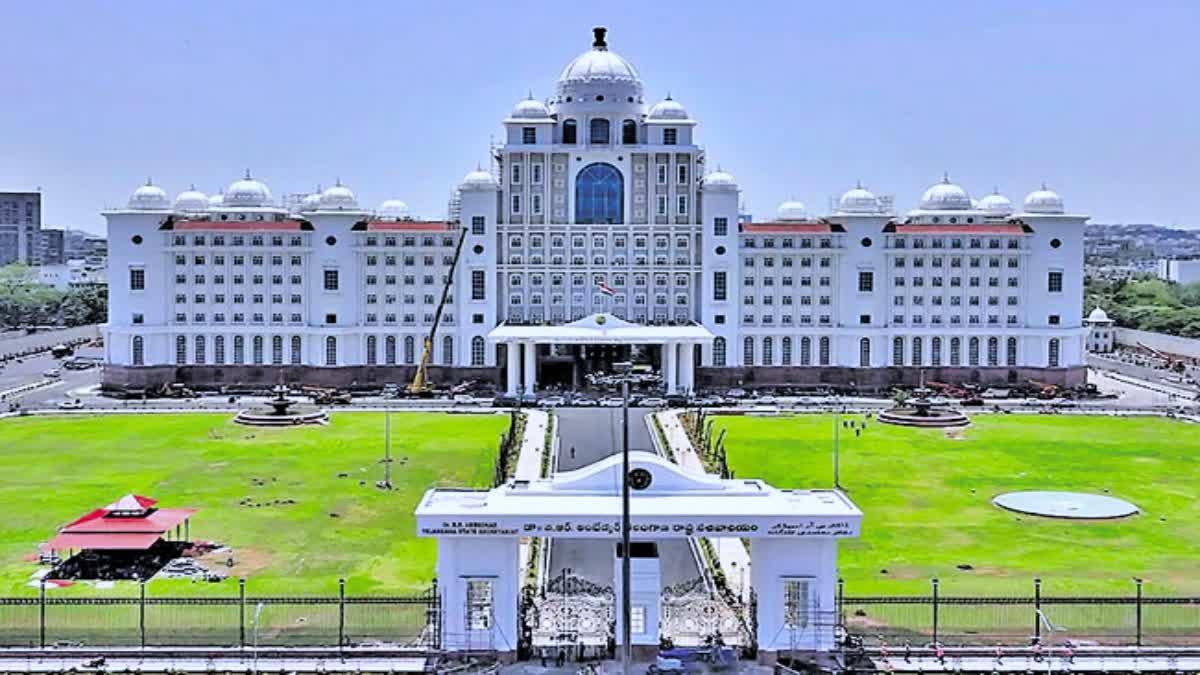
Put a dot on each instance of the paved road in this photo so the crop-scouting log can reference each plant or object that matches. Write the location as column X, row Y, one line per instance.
column 29, row 370
column 595, row 433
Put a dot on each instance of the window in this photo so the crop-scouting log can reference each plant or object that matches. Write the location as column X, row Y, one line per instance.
column 477, row 351
column 239, row 350
column 331, row 351
column 515, row 171
column 371, row 350
column 479, row 604
column 768, row 355
column 180, row 350
column 599, row 195
column 681, row 206
column 331, row 280
column 897, row 351
column 137, row 279
column 1011, row 354
column 955, row 351
column 720, row 286
column 637, row 619
column 478, row 225
column 389, row 350
column 629, row 132
column 1054, row 353
column 681, row 173
column 918, row 351
column 786, row 352
column 515, row 202
column 569, row 132
column 529, row 135
column 1054, row 282
column 973, row 351
column 662, row 174
column 866, row 282
column 277, row 350
column 409, row 350
column 296, row 351
column 719, row 352
column 824, row 347
column 139, row 350
column 598, row 131
column 448, row 350
column 720, row 227
column 795, row 603
column 670, row 136
column 993, row 351
column 864, row 353
column 748, row 351
column 477, row 285
column 935, row 350
column 258, row 350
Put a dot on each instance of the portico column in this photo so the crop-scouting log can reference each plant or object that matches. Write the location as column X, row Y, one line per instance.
column 687, row 380
column 530, row 380
column 668, row 367
column 514, row 367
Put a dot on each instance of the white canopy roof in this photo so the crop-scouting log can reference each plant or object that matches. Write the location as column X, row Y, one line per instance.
column 600, row 329
column 672, row 503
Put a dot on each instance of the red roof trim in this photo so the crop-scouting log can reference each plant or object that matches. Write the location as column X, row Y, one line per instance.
column 105, row 542
column 960, row 229
column 158, row 521
column 407, row 226
column 785, row 228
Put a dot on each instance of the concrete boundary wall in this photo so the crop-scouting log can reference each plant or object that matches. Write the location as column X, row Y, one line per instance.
column 1160, row 341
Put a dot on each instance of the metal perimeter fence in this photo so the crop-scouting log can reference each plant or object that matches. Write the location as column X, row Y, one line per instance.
column 1133, row 620
column 241, row 621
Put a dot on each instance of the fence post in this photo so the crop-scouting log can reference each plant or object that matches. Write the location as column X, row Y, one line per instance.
column 242, row 613
column 341, row 613
column 1139, row 610
column 42, row 616
column 1037, row 610
column 142, row 612
column 935, row 610
column 841, row 603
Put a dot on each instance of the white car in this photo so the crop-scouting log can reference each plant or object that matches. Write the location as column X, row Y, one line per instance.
column 53, row 372
column 464, row 399
column 654, row 402
column 611, row 402
column 71, row 405
column 767, row 400
column 552, row 402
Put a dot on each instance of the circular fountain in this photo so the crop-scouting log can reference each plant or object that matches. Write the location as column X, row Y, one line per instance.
column 282, row 411
column 921, row 411
column 1069, row 505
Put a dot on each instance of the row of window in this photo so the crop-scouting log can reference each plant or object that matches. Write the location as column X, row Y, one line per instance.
column 721, row 351
column 408, row 260
column 598, row 300
column 408, row 241
column 390, row 318
column 237, row 240
column 787, row 261
column 753, row 241
column 579, row 280
column 599, row 132
column 219, row 259
column 955, row 261
column 915, row 351
column 901, row 241
column 598, row 259
column 599, row 241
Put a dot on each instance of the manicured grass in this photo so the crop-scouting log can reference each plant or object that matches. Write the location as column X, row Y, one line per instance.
column 54, row 469
column 926, row 496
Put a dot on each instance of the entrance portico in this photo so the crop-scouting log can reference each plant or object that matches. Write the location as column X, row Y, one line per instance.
column 678, row 344
column 793, row 549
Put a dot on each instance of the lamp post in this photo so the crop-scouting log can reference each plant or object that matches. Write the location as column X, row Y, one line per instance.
column 626, row 600
column 837, row 423
column 387, row 450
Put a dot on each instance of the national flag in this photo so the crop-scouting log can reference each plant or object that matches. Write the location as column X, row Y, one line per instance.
column 606, row 289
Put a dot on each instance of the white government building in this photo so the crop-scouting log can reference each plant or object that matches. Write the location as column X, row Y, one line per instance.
column 599, row 214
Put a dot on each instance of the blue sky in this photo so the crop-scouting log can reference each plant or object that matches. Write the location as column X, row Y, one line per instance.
column 797, row 99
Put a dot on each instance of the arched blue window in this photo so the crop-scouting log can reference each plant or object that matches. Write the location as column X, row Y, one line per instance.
column 599, row 195
column 599, row 131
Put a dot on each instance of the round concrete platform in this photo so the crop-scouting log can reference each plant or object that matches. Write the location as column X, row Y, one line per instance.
column 1071, row 505
column 932, row 418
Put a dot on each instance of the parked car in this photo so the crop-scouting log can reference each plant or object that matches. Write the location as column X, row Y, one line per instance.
column 464, row 399
column 504, row 402
column 53, row 372
column 552, row 402
column 529, row 399
column 584, row 402
column 75, row 404
column 736, row 392
column 390, row 390
column 767, row 400
column 612, row 402
column 653, row 402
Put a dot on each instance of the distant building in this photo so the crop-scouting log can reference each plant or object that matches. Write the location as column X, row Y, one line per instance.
column 53, row 248
column 1179, row 271
column 20, row 227
column 1102, row 336
column 72, row 274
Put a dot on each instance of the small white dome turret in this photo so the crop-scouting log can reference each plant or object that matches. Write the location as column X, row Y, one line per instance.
column 191, row 201
column 792, row 210
column 1098, row 316
column 311, row 202
column 338, row 197
column 668, row 109
column 996, row 204
column 720, row 180
column 216, row 201
column 149, row 197
column 945, row 196
column 247, row 192
column 858, row 200
column 530, row 109
column 1044, row 201
column 478, row 180
column 393, row 209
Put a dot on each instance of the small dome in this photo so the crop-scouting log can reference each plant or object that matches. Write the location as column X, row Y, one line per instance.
column 1098, row 316
column 1043, row 201
column 216, row 201
column 720, row 180
column 599, row 66
column 149, row 197
column 996, row 204
column 668, row 109
column 945, row 196
column 858, row 200
column 247, row 192
column 191, row 201
column 338, row 197
column 478, row 180
column 792, row 210
column 392, row 208
column 530, row 109
column 311, row 202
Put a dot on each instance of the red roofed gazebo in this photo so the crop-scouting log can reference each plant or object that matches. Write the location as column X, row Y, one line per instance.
column 132, row 523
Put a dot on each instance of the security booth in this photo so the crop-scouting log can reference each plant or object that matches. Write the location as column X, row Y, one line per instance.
column 792, row 535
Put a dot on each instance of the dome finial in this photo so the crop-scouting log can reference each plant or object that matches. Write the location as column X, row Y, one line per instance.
column 858, row 184
column 669, row 96
column 599, row 41
column 150, row 181
column 946, row 177
column 337, row 182
column 530, row 97
column 191, row 186
column 1044, row 186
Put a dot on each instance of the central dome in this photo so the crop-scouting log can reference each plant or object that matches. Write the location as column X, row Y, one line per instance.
column 338, row 197
column 247, row 192
column 191, row 201
column 945, row 196
column 601, row 71
column 858, row 200
column 792, row 210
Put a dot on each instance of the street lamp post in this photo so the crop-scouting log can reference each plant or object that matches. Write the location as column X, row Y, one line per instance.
column 626, row 597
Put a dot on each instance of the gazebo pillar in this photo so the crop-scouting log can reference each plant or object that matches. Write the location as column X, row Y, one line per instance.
column 514, row 368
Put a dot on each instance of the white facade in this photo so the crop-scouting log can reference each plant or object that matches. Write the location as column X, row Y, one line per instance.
column 1181, row 271
column 1102, row 332
column 594, row 190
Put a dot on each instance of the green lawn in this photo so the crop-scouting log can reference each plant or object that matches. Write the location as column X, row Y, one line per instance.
column 926, row 499
column 54, row 469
